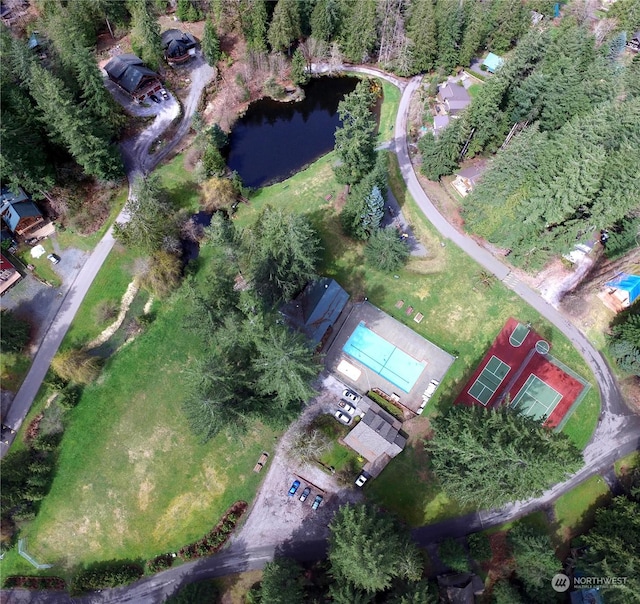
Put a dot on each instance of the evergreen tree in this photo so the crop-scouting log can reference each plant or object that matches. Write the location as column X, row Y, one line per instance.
column 285, row 367
column 15, row 333
column 256, row 25
column 449, row 18
column 285, row 25
column 624, row 343
column 282, row 582
column 372, row 215
column 439, row 157
column 453, row 555
column 359, row 33
column 489, row 457
column 67, row 123
column 476, row 30
column 536, row 562
column 355, row 142
column 283, row 251
column 210, row 43
column 386, row 251
column 365, row 547
column 325, row 20
column 145, row 34
column 509, row 20
column 299, row 73
column 422, row 31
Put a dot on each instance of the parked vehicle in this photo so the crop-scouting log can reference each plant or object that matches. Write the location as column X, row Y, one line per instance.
column 362, row 479
column 164, row 93
column 154, row 98
column 342, row 417
column 316, row 502
column 5, row 434
column 53, row 258
column 351, row 395
column 305, row 494
column 294, row 488
column 347, row 407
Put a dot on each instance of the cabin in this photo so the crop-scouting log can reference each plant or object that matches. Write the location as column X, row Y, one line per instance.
column 178, row 46
column 633, row 43
column 492, row 62
column 19, row 213
column 454, row 98
column 130, row 74
column 467, row 179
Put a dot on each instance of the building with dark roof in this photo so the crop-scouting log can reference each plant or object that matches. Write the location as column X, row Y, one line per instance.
column 377, row 437
column 131, row 75
column 178, row 46
column 633, row 43
column 316, row 309
column 18, row 212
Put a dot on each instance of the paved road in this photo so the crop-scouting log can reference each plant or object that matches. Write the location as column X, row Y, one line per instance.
column 137, row 160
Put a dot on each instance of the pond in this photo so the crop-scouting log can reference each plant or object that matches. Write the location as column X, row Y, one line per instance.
column 274, row 140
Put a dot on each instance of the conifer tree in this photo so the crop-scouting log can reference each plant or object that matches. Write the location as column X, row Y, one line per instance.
column 145, row 34
column 256, row 25
column 285, row 25
column 210, row 43
column 421, row 30
column 299, row 73
column 325, row 20
column 359, row 33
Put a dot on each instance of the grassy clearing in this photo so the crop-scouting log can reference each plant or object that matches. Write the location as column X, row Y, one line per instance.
column 43, row 269
column 13, row 369
column 340, row 458
column 183, row 191
column 627, row 463
column 132, row 480
column 109, row 286
column 576, row 509
column 388, row 111
column 474, row 89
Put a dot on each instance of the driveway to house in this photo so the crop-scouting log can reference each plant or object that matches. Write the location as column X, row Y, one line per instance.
column 136, row 160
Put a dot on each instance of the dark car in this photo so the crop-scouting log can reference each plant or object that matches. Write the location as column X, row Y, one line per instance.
column 305, row 494
column 154, row 98
column 294, row 488
column 316, row 502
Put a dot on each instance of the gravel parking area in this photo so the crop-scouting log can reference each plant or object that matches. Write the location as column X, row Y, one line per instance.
column 275, row 517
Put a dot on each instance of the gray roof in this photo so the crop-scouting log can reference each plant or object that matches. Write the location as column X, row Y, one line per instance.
column 128, row 71
column 472, row 173
column 377, row 434
column 457, row 105
column 317, row 308
column 440, row 121
column 177, row 43
column 454, row 92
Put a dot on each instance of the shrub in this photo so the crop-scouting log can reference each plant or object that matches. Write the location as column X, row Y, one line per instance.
column 105, row 311
column 74, row 365
column 479, row 546
column 163, row 275
column 15, row 332
column 27, row 582
column 105, row 574
column 453, row 555
column 273, row 89
column 69, row 396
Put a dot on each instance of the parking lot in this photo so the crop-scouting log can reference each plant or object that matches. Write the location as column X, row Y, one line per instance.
column 276, row 516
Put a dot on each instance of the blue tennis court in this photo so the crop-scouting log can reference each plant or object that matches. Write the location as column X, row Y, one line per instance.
column 384, row 358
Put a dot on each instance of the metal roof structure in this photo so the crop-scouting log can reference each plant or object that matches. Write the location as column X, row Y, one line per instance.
column 128, row 71
column 627, row 283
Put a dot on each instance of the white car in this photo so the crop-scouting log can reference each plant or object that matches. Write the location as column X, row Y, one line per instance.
column 342, row 418
column 351, row 395
column 53, row 258
column 346, row 407
column 362, row 479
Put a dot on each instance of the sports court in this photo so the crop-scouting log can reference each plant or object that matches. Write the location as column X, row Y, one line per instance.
column 536, row 399
column 489, row 380
column 386, row 359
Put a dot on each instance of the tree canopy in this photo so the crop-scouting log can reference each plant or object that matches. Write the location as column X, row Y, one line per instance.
column 368, row 549
column 487, row 458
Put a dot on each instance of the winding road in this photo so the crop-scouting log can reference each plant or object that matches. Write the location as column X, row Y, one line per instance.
column 617, row 433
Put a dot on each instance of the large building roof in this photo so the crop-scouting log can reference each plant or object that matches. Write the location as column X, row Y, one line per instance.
column 127, row 71
column 317, row 308
column 454, row 92
column 177, row 43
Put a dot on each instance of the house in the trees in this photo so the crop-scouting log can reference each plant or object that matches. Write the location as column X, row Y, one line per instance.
column 178, row 46
column 440, row 122
column 316, row 309
column 130, row 74
column 460, row 588
column 9, row 275
column 453, row 97
column 633, row 43
column 19, row 213
column 467, row 179
column 378, row 437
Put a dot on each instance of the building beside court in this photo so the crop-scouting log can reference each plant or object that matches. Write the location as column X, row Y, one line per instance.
column 316, row 309
column 621, row 292
column 519, row 371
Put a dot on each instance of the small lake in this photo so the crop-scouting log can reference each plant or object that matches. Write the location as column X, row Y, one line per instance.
column 274, row 140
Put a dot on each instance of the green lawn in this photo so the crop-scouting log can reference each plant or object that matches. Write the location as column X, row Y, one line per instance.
column 627, row 463
column 474, row 89
column 575, row 510
column 43, row 268
column 132, row 480
column 388, row 112
column 183, row 191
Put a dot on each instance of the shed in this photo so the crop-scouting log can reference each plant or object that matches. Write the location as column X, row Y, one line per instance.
column 467, row 179
column 626, row 288
column 440, row 122
column 633, row 43
column 493, row 62
column 9, row 275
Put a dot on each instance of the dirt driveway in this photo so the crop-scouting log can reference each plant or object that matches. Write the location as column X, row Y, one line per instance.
column 275, row 517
